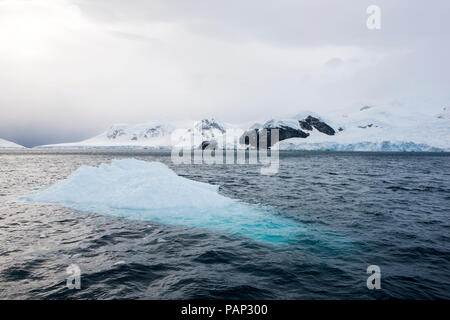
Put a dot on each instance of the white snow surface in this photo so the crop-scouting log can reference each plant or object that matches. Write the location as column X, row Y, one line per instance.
column 378, row 128
column 161, row 136
column 5, row 144
column 147, row 135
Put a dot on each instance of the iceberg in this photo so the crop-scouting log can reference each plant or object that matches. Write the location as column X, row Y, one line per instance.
column 151, row 191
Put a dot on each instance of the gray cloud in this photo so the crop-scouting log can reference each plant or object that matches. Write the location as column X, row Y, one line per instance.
column 72, row 68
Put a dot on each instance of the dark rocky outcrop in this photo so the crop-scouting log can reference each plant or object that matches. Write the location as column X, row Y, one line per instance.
column 305, row 125
column 153, row 132
column 255, row 137
column 115, row 133
column 321, row 126
column 286, row 130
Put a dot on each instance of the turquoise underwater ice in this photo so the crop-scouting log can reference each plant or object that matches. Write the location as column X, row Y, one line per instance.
column 151, row 191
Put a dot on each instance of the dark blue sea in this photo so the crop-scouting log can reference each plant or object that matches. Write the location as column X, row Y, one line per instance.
column 386, row 209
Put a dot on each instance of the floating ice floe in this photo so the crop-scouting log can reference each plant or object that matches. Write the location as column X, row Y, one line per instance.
column 151, row 191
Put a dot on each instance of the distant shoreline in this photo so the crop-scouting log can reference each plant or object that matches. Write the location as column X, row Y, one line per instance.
column 149, row 151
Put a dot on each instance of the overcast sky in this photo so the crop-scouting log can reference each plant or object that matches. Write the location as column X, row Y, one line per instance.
column 70, row 69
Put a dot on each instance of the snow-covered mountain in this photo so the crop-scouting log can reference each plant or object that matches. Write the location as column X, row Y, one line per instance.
column 366, row 128
column 198, row 134
column 299, row 126
column 5, row 144
column 377, row 128
column 207, row 133
column 148, row 135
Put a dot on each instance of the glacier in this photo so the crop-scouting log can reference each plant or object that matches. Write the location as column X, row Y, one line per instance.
column 151, row 191
column 366, row 146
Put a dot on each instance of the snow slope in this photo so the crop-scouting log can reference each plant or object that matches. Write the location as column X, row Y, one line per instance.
column 379, row 129
column 147, row 135
column 5, row 144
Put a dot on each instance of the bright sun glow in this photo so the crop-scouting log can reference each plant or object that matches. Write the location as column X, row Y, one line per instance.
column 29, row 29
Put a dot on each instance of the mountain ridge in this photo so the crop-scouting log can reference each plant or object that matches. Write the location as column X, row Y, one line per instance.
column 368, row 128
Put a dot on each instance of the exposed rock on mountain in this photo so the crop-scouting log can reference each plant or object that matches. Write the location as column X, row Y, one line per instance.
column 321, row 126
column 374, row 128
column 291, row 128
column 365, row 108
column 137, row 132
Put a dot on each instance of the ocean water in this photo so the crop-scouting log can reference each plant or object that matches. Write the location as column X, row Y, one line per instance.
column 355, row 209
